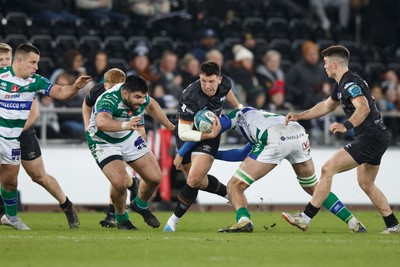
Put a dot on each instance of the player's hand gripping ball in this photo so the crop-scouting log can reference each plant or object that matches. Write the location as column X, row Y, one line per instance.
column 203, row 120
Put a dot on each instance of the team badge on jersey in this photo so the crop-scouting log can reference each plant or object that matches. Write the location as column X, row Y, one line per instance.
column 353, row 89
column 14, row 88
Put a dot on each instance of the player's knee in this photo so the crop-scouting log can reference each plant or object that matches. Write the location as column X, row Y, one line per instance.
column 236, row 185
column 327, row 170
column 120, row 185
column 366, row 186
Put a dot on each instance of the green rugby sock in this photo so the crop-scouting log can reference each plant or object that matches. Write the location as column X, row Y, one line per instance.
column 10, row 201
column 242, row 212
column 334, row 205
column 122, row 218
column 141, row 204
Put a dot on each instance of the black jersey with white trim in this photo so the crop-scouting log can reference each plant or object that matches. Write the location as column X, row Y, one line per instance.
column 94, row 93
column 193, row 99
column 350, row 86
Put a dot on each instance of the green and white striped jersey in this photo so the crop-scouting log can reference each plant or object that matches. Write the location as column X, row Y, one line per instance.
column 111, row 102
column 254, row 123
column 16, row 96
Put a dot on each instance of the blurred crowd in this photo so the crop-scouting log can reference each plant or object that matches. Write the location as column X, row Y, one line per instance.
column 270, row 49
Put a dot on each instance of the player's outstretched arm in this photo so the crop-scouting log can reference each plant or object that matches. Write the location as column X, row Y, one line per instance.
column 68, row 91
column 320, row 109
column 155, row 111
column 234, row 154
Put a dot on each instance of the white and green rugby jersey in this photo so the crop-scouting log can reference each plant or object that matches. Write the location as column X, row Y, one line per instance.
column 111, row 102
column 254, row 123
column 16, row 96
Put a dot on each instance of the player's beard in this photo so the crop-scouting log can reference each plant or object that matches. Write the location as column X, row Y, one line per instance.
column 131, row 106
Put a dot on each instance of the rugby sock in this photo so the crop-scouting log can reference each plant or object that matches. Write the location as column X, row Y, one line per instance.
column 215, row 186
column 310, row 210
column 185, row 199
column 242, row 212
column 141, row 204
column 133, row 186
column 334, row 205
column 10, row 202
column 111, row 210
column 390, row 220
column 122, row 218
column 65, row 204
column 1, row 205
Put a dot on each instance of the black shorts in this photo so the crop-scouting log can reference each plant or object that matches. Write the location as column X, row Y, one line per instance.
column 29, row 143
column 369, row 149
column 209, row 147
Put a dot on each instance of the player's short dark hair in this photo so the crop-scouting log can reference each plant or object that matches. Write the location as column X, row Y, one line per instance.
column 135, row 83
column 26, row 48
column 336, row 51
column 210, row 68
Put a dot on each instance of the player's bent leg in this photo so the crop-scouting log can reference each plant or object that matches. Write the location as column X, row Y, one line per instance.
column 247, row 173
column 366, row 175
column 200, row 165
column 116, row 174
column 150, row 173
column 9, row 193
column 35, row 169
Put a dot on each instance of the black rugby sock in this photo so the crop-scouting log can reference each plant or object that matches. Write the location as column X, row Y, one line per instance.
column 390, row 220
column 185, row 199
column 65, row 204
column 310, row 210
column 215, row 186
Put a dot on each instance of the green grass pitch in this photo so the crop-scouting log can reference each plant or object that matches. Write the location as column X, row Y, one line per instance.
column 196, row 242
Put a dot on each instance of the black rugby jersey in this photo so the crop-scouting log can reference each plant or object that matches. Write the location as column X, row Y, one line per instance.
column 193, row 99
column 350, row 86
column 94, row 93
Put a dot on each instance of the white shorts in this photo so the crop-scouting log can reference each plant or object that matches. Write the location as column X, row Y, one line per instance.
column 129, row 150
column 10, row 151
column 284, row 142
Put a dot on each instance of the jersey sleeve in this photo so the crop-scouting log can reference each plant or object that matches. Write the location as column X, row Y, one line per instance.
column 93, row 94
column 352, row 90
column 42, row 84
column 105, row 105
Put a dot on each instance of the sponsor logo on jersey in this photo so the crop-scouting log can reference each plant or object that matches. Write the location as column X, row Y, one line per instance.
column 4, row 76
column 15, row 105
column 12, row 96
column 222, row 99
column 130, row 113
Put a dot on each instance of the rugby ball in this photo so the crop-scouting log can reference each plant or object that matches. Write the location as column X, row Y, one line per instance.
column 203, row 120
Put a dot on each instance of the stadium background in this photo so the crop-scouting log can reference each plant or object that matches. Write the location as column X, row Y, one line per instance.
column 123, row 31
